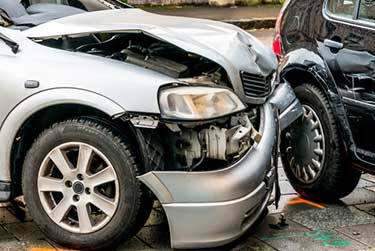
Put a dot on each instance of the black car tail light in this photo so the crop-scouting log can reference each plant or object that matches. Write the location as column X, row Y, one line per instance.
column 276, row 45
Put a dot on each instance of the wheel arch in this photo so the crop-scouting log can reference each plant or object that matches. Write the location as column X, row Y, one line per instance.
column 297, row 71
column 305, row 63
column 297, row 75
column 38, row 112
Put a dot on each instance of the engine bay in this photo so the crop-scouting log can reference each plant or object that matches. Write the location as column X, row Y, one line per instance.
column 147, row 52
column 199, row 147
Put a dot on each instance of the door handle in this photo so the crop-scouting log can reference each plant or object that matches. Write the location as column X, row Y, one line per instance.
column 333, row 44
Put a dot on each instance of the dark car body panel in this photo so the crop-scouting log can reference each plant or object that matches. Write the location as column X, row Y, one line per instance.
column 338, row 53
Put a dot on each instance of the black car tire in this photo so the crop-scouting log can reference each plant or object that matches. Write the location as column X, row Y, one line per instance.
column 134, row 202
column 337, row 178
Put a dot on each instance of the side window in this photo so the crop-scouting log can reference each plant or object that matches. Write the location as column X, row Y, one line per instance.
column 367, row 10
column 343, row 8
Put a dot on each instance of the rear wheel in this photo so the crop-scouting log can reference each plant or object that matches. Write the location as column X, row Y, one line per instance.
column 80, row 185
column 312, row 151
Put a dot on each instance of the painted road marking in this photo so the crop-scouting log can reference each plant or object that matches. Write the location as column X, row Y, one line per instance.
column 304, row 201
column 325, row 237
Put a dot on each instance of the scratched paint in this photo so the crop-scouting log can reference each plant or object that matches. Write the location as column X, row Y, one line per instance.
column 325, row 237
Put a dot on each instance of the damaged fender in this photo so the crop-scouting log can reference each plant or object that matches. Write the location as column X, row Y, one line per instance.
column 316, row 69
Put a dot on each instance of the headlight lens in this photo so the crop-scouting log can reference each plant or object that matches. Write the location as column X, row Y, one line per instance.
column 198, row 103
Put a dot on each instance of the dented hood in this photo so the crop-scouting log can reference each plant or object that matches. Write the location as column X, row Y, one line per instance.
column 234, row 49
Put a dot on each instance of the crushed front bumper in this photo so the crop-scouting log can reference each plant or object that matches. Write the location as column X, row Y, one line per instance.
column 208, row 209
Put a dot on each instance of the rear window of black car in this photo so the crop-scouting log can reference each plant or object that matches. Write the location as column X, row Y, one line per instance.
column 344, row 8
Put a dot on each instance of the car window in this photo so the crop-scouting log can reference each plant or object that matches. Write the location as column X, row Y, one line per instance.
column 367, row 10
column 344, row 8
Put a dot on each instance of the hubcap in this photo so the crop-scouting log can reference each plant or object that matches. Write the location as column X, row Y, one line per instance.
column 78, row 187
column 305, row 147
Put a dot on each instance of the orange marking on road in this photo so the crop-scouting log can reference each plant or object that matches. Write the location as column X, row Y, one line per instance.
column 304, row 201
column 49, row 249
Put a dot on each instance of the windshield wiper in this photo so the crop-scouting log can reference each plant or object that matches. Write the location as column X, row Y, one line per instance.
column 12, row 44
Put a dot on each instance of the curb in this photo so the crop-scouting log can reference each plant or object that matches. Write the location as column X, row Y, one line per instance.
column 256, row 23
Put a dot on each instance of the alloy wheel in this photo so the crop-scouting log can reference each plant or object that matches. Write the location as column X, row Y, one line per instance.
column 78, row 187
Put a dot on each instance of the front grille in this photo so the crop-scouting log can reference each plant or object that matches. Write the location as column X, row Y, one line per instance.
column 256, row 86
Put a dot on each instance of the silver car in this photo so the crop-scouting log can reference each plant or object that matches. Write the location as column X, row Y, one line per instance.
column 104, row 112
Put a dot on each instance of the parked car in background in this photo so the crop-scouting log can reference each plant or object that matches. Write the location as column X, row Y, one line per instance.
column 102, row 112
column 327, row 54
column 87, row 5
column 13, row 13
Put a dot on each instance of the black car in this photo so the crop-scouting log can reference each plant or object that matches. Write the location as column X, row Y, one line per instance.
column 326, row 50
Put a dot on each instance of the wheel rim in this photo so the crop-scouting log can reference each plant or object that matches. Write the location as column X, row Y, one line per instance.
column 78, row 187
column 305, row 148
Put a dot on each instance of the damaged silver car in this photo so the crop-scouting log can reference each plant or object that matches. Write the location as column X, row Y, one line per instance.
column 104, row 112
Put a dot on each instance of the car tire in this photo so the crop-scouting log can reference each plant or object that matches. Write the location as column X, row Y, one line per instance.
column 312, row 151
column 64, row 171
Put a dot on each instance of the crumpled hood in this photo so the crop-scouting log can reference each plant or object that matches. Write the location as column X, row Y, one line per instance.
column 234, row 49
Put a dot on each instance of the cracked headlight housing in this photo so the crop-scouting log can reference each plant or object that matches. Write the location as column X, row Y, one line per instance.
column 198, row 103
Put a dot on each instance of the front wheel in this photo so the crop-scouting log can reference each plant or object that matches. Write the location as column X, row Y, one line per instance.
column 80, row 185
column 312, row 151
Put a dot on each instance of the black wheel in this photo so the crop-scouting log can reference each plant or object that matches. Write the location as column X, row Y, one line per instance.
column 312, row 151
column 80, row 185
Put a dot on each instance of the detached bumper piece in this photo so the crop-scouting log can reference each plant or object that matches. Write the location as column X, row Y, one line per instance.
column 289, row 107
column 209, row 209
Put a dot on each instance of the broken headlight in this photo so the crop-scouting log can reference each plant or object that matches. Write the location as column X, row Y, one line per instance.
column 198, row 103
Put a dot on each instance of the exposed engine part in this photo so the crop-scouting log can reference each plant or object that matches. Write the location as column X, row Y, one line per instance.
column 245, row 121
column 222, row 142
column 195, row 146
column 216, row 142
column 209, row 78
column 191, row 147
column 159, row 64
column 198, row 80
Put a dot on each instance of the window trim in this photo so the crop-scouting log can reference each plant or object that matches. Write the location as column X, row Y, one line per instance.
column 353, row 21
